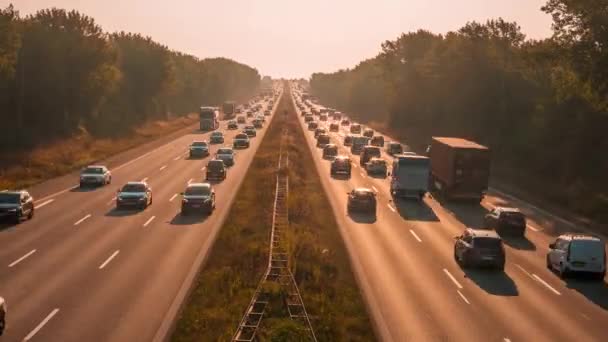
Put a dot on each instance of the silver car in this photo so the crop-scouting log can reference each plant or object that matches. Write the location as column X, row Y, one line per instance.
column 95, row 175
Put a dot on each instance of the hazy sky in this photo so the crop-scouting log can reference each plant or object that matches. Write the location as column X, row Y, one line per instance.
column 286, row 38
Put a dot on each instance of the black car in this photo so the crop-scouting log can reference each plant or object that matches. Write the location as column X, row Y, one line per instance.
column 330, row 151
column 233, row 124
column 345, row 122
column 361, row 200
column 369, row 152
column 257, row 123
column 377, row 140
column 216, row 170
column 355, row 129
column 341, row 165
column 250, row 131
column 308, row 118
column 134, row 194
column 506, row 221
column 241, row 119
column 477, row 247
column 16, row 205
column 216, row 138
column 322, row 140
column 368, row 133
column 198, row 197
column 319, row 131
column 334, row 127
column 312, row 126
column 394, row 148
column 241, row 140
column 199, row 149
column 348, row 140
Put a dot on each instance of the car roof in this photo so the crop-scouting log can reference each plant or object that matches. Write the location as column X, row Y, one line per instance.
column 330, row 145
column 508, row 209
column 198, row 185
column 199, row 141
column 217, row 133
column 377, row 160
column 459, row 143
column 579, row 237
column 12, row 192
column 137, row 183
column 363, row 190
column 216, row 161
column 102, row 166
column 485, row 233
column 342, row 157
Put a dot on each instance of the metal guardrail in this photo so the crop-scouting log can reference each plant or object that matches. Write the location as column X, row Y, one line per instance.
column 278, row 270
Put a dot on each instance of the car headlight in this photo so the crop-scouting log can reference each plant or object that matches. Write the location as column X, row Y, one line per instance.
column 142, row 199
column 13, row 210
column 184, row 200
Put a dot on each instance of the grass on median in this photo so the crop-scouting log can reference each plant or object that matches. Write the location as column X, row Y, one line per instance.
column 239, row 256
column 24, row 168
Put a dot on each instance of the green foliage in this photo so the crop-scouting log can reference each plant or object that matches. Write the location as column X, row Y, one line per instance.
column 540, row 105
column 60, row 73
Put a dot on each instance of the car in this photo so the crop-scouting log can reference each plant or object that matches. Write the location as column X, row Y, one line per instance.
column 241, row 119
column 334, row 127
column 199, row 149
column 337, row 115
column 308, row 118
column 312, row 126
column 355, row 129
column 361, row 200
column 198, row 197
column 216, row 170
column 95, row 175
column 225, row 154
column 216, row 137
column 341, row 165
column 479, row 247
column 376, row 166
column 319, row 131
column 267, row 112
column 16, row 205
column 394, row 148
column 330, row 151
column 257, row 123
column 249, row 113
column 506, row 221
column 250, row 131
column 134, row 194
column 304, row 113
column 240, row 140
column 323, row 117
column 368, row 152
column 2, row 315
column 345, row 122
column 322, row 140
column 574, row 253
column 232, row 124
column 348, row 140
column 368, row 132
column 377, row 140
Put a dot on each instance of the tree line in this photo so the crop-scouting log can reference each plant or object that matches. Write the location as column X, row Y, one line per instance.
column 60, row 73
column 541, row 105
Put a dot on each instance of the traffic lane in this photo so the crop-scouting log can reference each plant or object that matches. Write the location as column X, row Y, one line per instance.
column 65, row 253
column 501, row 284
column 392, row 261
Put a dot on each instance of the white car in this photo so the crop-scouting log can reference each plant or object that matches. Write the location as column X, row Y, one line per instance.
column 577, row 253
column 95, row 175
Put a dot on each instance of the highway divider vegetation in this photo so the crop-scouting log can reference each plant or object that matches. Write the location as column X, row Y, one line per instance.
column 62, row 76
column 541, row 105
column 238, row 258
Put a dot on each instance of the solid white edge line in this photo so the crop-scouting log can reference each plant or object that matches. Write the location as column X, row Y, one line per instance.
column 172, row 197
column 415, row 235
column 452, row 278
column 149, row 220
column 524, row 270
column 391, row 207
column 38, row 206
column 41, row 325
column 463, row 297
column 22, row 258
column 533, row 228
column 163, row 167
column 540, row 280
column 82, row 219
column 177, row 158
column 506, row 339
column 105, row 263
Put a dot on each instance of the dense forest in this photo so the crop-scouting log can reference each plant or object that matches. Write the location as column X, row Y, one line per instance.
column 542, row 106
column 60, row 73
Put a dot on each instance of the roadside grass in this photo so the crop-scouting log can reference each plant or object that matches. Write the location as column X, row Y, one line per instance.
column 238, row 259
column 25, row 168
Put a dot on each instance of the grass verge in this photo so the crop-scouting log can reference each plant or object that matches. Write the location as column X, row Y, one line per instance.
column 23, row 169
column 239, row 256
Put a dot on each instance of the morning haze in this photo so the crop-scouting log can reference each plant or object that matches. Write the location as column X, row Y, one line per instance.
column 288, row 38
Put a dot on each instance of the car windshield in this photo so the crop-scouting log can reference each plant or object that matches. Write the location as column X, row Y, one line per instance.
column 373, row 152
column 215, row 165
column 364, row 194
column 323, row 139
column 224, row 151
column 587, row 249
column 487, row 242
column 216, row 134
column 134, row 188
column 513, row 217
column 199, row 143
column 9, row 198
column 241, row 136
column 198, row 191
column 94, row 170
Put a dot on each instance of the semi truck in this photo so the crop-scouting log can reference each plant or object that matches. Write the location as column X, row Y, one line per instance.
column 228, row 110
column 209, row 120
column 460, row 168
column 410, row 176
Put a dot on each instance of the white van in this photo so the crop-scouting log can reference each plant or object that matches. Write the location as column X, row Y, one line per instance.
column 577, row 253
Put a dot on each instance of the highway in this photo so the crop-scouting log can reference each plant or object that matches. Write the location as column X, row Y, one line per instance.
column 82, row 271
column 415, row 290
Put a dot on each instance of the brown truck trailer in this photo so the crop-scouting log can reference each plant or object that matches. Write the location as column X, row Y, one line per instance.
column 460, row 169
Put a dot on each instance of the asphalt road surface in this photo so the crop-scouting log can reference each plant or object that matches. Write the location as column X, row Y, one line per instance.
column 83, row 271
column 415, row 290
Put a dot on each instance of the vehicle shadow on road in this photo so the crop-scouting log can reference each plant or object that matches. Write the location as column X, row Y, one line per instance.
column 471, row 214
column 363, row 218
column 7, row 226
column 521, row 243
column 415, row 210
column 91, row 188
column 340, row 176
column 494, row 282
column 594, row 290
column 122, row 212
column 187, row 220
